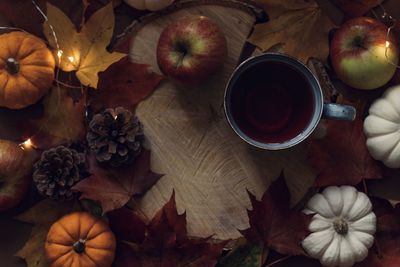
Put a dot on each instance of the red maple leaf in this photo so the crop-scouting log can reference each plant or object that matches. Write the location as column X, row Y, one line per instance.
column 341, row 157
column 167, row 244
column 356, row 8
column 127, row 225
column 124, row 84
column 274, row 223
column 113, row 188
column 386, row 252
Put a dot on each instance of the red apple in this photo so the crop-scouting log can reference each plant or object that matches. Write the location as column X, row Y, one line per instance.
column 191, row 49
column 14, row 174
column 362, row 55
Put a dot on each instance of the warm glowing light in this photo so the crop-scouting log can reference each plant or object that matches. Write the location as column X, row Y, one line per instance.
column 27, row 145
column 71, row 59
column 387, row 44
column 59, row 54
column 115, row 117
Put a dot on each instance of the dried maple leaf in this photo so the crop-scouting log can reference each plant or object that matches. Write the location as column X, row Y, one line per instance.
column 63, row 120
column 356, row 8
column 124, row 84
column 85, row 51
column 274, row 224
column 300, row 26
column 113, row 188
column 341, row 156
column 42, row 216
column 166, row 244
column 386, row 252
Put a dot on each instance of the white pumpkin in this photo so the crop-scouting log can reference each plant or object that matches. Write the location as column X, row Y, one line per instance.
column 343, row 227
column 152, row 5
column 382, row 128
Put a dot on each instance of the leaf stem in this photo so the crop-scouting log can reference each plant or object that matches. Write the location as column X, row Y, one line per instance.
column 365, row 187
column 278, row 261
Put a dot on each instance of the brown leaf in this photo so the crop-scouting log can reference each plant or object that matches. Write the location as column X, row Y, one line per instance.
column 167, row 244
column 113, row 188
column 63, row 120
column 13, row 235
column 124, row 84
column 356, row 8
column 341, row 156
column 42, row 216
column 273, row 223
column 386, row 252
column 299, row 25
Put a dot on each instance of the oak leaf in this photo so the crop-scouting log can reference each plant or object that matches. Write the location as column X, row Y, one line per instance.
column 167, row 244
column 63, row 120
column 42, row 216
column 124, row 84
column 85, row 51
column 274, row 224
column 356, row 8
column 114, row 187
column 341, row 156
column 300, row 26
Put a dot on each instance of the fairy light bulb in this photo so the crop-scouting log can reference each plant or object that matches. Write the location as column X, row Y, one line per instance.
column 59, row 54
column 387, row 44
column 26, row 145
column 71, row 59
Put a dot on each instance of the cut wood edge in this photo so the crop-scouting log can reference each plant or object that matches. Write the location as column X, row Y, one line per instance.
column 248, row 6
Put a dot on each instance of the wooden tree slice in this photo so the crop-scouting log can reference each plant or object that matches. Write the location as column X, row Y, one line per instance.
column 209, row 167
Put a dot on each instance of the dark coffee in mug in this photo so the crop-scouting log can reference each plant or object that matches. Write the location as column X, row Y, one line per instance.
column 272, row 102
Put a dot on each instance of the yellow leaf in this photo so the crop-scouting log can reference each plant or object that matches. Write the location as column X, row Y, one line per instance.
column 299, row 25
column 85, row 51
column 42, row 216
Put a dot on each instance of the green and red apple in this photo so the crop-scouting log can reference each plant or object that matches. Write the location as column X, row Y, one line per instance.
column 363, row 55
column 191, row 49
column 14, row 174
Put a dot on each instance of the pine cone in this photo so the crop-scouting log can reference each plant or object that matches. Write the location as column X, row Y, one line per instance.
column 116, row 136
column 57, row 171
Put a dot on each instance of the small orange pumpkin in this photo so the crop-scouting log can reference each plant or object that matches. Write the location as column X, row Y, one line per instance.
column 26, row 69
column 80, row 239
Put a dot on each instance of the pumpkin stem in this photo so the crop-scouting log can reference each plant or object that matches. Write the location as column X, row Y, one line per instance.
column 341, row 227
column 79, row 246
column 12, row 66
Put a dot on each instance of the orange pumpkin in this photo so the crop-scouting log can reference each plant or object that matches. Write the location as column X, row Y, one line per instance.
column 80, row 239
column 26, row 69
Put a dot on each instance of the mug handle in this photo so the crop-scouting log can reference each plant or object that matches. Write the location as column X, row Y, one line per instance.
column 339, row 112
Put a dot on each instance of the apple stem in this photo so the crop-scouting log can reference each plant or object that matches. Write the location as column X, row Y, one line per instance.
column 183, row 50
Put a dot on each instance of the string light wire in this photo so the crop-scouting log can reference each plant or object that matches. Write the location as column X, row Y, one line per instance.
column 387, row 18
